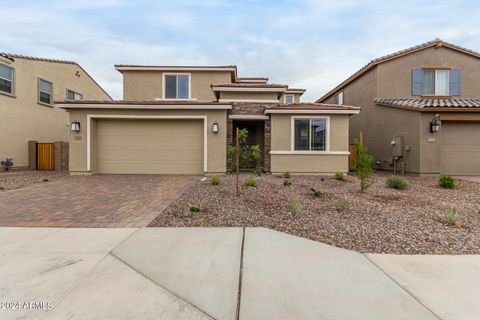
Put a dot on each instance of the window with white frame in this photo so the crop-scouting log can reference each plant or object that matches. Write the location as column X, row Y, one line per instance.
column 436, row 82
column 6, row 79
column 310, row 134
column 289, row 98
column 72, row 95
column 339, row 98
column 45, row 92
column 177, row 86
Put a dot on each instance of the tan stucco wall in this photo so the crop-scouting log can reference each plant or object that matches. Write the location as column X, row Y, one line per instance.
column 310, row 163
column 23, row 119
column 148, row 85
column 395, row 76
column 249, row 95
column 216, row 143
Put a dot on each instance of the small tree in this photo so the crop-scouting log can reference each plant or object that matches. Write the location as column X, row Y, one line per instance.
column 242, row 153
column 363, row 166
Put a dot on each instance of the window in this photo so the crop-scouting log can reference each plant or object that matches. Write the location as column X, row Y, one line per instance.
column 339, row 98
column 72, row 95
column 6, row 79
column 435, row 82
column 177, row 86
column 289, row 98
column 45, row 91
column 310, row 134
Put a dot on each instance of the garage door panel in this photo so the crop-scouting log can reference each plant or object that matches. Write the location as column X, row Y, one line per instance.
column 150, row 146
column 460, row 150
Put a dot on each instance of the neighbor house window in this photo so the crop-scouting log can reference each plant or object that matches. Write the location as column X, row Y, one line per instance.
column 6, row 79
column 339, row 98
column 177, row 86
column 45, row 91
column 289, row 98
column 72, row 95
column 436, row 82
column 310, row 134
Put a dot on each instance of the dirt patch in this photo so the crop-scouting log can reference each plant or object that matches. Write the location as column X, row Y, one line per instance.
column 18, row 179
column 382, row 220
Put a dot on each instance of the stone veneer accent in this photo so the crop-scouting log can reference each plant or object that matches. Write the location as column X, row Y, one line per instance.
column 250, row 109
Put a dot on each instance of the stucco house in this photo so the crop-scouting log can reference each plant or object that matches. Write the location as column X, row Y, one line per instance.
column 182, row 119
column 28, row 88
column 420, row 109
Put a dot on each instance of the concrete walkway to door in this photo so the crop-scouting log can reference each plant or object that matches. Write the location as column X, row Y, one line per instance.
column 222, row 273
column 92, row 201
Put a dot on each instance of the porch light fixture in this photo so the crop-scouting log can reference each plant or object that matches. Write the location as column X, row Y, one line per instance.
column 75, row 126
column 215, row 127
column 435, row 124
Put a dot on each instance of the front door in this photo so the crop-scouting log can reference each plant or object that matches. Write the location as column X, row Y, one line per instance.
column 255, row 136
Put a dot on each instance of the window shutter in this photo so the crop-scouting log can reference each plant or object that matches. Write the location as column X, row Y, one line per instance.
column 454, row 82
column 417, row 76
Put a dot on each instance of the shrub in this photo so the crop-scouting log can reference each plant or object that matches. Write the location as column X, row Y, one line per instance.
column 363, row 166
column 215, row 180
column 397, row 183
column 287, row 182
column 295, row 210
column 286, row 175
column 250, row 182
column 316, row 193
column 342, row 205
column 450, row 217
column 339, row 176
column 258, row 171
column 194, row 209
column 447, row 182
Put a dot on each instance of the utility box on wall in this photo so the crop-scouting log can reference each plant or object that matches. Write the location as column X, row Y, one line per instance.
column 398, row 148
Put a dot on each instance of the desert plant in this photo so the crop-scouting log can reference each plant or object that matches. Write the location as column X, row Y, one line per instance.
column 195, row 209
column 450, row 217
column 396, row 183
column 258, row 171
column 215, row 180
column 339, row 176
column 447, row 182
column 287, row 182
column 250, row 182
column 316, row 193
column 295, row 209
column 342, row 205
column 286, row 175
column 363, row 166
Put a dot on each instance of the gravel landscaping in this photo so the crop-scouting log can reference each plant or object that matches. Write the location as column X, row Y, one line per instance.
column 19, row 179
column 423, row 219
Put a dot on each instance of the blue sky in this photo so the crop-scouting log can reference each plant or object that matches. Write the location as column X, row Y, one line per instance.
column 304, row 43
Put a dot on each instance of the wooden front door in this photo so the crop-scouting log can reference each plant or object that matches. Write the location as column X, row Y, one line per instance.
column 45, row 156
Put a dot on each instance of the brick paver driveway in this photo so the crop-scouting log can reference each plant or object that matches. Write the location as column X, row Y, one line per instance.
column 95, row 201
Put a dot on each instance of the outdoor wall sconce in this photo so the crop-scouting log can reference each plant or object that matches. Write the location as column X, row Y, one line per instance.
column 435, row 124
column 75, row 126
column 215, row 127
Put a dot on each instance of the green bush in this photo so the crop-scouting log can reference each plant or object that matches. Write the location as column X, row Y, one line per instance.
column 286, row 175
column 339, row 176
column 215, row 180
column 194, row 209
column 447, row 182
column 397, row 183
column 342, row 205
column 250, row 182
column 450, row 217
column 363, row 166
column 296, row 207
column 287, row 182
column 258, row 171
column 316, row 193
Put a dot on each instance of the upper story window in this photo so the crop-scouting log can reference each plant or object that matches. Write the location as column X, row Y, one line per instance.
column 6, row 79
column 436, row 82
column 289, row 98
column 310, row 134
column 176, row 86
column 339, row 98
column 45, row 92
column 72, row 95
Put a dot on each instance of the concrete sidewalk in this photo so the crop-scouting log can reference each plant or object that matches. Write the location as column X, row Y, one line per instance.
column 222, row 273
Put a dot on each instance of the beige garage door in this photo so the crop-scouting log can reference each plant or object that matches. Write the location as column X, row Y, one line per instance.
column 460, row 148
column 150, row 146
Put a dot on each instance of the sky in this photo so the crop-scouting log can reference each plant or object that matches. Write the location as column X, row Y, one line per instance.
column 303, row 43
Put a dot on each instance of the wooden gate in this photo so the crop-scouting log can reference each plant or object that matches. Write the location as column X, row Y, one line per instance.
column 45, row 156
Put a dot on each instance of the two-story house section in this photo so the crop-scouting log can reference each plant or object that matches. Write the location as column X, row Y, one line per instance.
column 420, row 109
column 28, row 88
column 182, row 119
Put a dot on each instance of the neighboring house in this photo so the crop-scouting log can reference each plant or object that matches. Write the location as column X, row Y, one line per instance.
column 182, row 119
column 28, row 88
column 420, row 109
